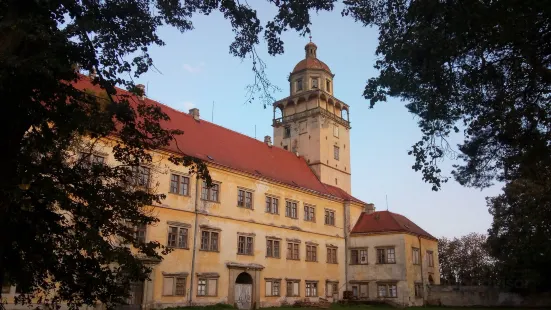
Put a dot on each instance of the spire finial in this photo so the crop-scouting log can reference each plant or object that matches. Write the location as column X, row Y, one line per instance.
column 310, row 38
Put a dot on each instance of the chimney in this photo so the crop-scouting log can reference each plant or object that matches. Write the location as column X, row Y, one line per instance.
column 268, row 140
column 369, row 208
column 76, row 67
column 195, row 113
column 92, row 74
column 141, row 87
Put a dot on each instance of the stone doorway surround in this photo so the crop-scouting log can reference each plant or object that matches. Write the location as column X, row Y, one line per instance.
column 253, row 270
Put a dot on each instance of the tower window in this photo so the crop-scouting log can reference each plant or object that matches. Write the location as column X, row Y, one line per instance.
column 336, row 131
column 299, row 85
column 336, row 152
column 328, row 85
column 315, row 83
column 287, row 132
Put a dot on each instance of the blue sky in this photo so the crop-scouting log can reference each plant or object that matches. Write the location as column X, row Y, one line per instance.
column 195, row 69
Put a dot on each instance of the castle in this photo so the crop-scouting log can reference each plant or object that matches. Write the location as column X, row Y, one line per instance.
column 280, row 223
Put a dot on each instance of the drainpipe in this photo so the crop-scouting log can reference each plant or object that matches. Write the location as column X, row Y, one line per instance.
column 194, row 239
column 345, row 229
column 422, row 274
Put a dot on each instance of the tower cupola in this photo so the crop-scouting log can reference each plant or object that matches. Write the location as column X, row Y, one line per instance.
column 313, row 123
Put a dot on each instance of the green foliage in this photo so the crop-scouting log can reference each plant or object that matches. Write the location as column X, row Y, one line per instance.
column 520, row 236
column 466, row 261
column 482, row 68
column 211, row 307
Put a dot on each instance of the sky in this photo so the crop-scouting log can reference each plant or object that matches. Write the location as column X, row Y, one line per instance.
column 195, row 69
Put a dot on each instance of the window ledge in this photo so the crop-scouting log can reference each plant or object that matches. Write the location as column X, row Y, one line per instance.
column 181, row 195
column 217, row 251
column 311, row 261
column 276, row 257
column 207, row 295
column 213, row 201
column 245, row 208
column 176, row 248
column 245, row 254
column 359, row 264
column 297, row 259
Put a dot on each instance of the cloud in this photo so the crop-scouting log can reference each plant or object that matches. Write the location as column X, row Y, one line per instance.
column 188, row 105
column 194, row 69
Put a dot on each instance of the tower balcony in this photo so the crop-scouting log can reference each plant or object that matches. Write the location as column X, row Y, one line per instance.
column 338, row 108
column 311, row 112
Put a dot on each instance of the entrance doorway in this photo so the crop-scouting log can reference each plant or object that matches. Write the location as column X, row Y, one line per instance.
column 244, row 291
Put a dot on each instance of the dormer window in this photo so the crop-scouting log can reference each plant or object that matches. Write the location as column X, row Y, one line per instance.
column 315, row 83
column 299, row 85
column 328, row 85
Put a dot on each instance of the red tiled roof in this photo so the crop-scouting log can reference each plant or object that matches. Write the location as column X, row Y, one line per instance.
column 311, row 63
column 221, row 146
column 386, row 221
column 339, row 192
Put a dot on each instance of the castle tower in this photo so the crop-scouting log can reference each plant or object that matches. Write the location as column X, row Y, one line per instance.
column 313, row 123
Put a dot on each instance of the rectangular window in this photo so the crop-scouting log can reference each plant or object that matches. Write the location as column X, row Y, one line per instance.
column 174, row 286
column 6, row 286
column 329, row 217
column 309, row 213
column 336, row 152
column 386, row 256
column 272, row 248
column 360, row 290
column 273, row 287
column 299, row 84
column 387, row 290
column 209, row 240
column 293, row 289
column 141, row 176
column 291, row 209
column 302, row 127
column 244, row 199
column 287, row 132
column 331, row 289
column 311, row 253
column 358, row 257
column 245, row 245
column 415, row 256
column 210, row 193
column 272, row 205
column 332, row 255
column 315, row 83
column 179, row 185
column 293, row 251
column 335, row 131
column 418, row 290
column 177, row 237
column 328, row 85
column 207, row 287
column 430, row 258
column 88, row 159
column 311, row 289
column 140, row 232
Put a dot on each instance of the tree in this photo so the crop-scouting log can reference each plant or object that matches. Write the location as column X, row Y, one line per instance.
column 520, row 236
column 466, row 261
column 59, row 217
column 482, row 68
